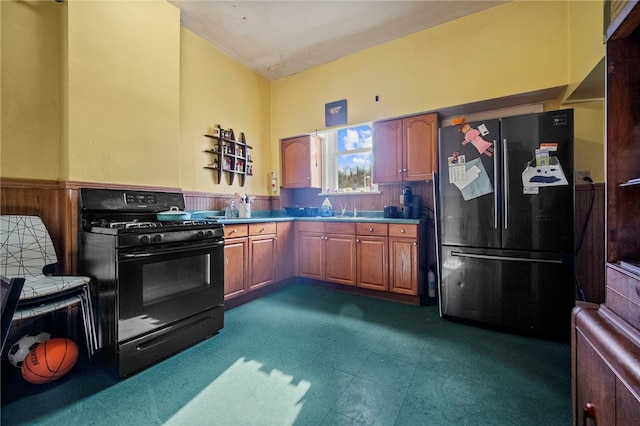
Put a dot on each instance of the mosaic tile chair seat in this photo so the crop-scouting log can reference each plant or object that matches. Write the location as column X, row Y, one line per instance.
column 26, row 250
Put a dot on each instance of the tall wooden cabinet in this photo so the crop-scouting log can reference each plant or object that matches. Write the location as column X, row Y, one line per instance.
column 606, row 338
column 301, row 162
column 405, row 149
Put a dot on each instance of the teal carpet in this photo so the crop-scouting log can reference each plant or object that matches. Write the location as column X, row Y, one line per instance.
column 311, row 356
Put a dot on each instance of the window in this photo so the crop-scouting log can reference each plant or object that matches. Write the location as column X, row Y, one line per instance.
column 347, row 159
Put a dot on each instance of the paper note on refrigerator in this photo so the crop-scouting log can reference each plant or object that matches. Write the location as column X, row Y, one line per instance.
column 474, row 182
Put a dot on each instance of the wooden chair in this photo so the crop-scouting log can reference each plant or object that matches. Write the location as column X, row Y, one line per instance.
column 26, row 251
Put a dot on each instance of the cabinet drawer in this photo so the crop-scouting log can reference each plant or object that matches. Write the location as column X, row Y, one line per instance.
column 340, row 228
column 235, row 231
column 379, row 229
column 262, row 228
column 311, row 226
column 403, row 230
column 623, row 295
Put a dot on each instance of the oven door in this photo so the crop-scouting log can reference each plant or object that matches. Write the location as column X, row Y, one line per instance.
column 158, row 286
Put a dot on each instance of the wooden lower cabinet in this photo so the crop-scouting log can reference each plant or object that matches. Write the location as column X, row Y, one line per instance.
column 340, row 259
column 373, row 270
column 372, row 254
column 236, row 253
column 311, row 255
column 384, row 257
column 262, row 254
column 404, row 259
column 236, row 260
column 327, row 252
column 605, row 368
column 403, row 266
column 284, row 250
column 250, row 255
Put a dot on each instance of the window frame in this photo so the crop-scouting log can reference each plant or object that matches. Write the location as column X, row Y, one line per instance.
column 330, row 155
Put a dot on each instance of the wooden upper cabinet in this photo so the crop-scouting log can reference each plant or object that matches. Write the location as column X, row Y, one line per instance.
column 420, row 154
column 387, row 151
column 301, row 162
column 405, row 149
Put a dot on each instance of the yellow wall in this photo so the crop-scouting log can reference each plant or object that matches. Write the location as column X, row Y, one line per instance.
column 588, row 135
column 119, row 92
column 30, row 141
column 586, row 49
column 498, row 52
column 586, row 39
column 124, row 92
column 515, row 48
column 215, row 89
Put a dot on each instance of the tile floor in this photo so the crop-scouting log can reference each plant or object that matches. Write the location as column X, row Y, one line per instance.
column 311, row 356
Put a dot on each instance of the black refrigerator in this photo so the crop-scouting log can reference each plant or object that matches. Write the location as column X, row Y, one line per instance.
column 506, row 209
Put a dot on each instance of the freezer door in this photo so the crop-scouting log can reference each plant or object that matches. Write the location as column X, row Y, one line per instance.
column 467, row 218
column 529, row 292
column 537, row 217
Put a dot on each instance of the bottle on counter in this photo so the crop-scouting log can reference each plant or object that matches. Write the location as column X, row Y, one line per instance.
column 326, row 209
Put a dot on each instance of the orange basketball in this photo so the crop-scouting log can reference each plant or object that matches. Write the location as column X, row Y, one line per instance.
column 49, row 361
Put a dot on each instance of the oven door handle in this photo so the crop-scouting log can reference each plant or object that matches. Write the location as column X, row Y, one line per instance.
column 215, row 244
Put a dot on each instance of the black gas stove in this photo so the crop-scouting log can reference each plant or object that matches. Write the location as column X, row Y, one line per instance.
column 159, row 284
column 132, row 216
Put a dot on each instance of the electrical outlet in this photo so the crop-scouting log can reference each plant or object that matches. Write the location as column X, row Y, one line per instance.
column 581, row 174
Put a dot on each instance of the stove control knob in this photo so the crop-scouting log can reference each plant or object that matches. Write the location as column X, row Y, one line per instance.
column 209, row 233
column 200, row 234
column 157, row 238
column 145, row 239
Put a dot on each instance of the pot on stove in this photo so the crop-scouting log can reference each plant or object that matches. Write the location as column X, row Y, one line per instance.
column 174, row 213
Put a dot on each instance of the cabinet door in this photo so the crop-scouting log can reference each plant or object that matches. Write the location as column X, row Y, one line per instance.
column 311, row 255
column 403, row 265
column 627, row 406
column 340, row 255
column 235, row 262
column 301, row 162
column 373, row 263
column 387, row 151
column 284, row 250
column 262, row 260
column 595, row 384
column 420, row 155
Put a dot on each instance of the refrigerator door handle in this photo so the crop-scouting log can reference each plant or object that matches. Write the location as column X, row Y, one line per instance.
column 495, row 190
column 505, row 258
column 505, row 172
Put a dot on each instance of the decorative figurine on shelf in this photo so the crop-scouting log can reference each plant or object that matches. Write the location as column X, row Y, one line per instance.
column 215, row 163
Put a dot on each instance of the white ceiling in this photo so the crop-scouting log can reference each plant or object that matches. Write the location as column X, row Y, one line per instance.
column 281, row 38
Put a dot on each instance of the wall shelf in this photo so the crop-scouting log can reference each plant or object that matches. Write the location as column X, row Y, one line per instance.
column 230, row 156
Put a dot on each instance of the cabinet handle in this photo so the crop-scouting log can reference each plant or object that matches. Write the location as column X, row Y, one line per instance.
column 233, row 231
column 370, row 229
column 402, row 231
column 404, row 170
column 262, row 229
column 415, row 244
column 357, row 241
column 589, row 412
column 400, row 171
column 308, row 177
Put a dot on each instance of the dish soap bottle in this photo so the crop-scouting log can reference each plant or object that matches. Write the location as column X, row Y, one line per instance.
column 326, row 209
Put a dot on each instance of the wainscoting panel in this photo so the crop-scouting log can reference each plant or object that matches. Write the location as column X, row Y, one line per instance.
column 57, row 204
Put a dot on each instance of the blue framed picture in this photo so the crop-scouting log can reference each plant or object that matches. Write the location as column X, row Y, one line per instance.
column 335, row 113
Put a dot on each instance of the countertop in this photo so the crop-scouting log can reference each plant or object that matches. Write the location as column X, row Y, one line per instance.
column 259, row 216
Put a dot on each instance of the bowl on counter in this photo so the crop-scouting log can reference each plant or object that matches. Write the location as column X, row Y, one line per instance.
column 295, row 211
column 302, row 211
column 311, row 211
